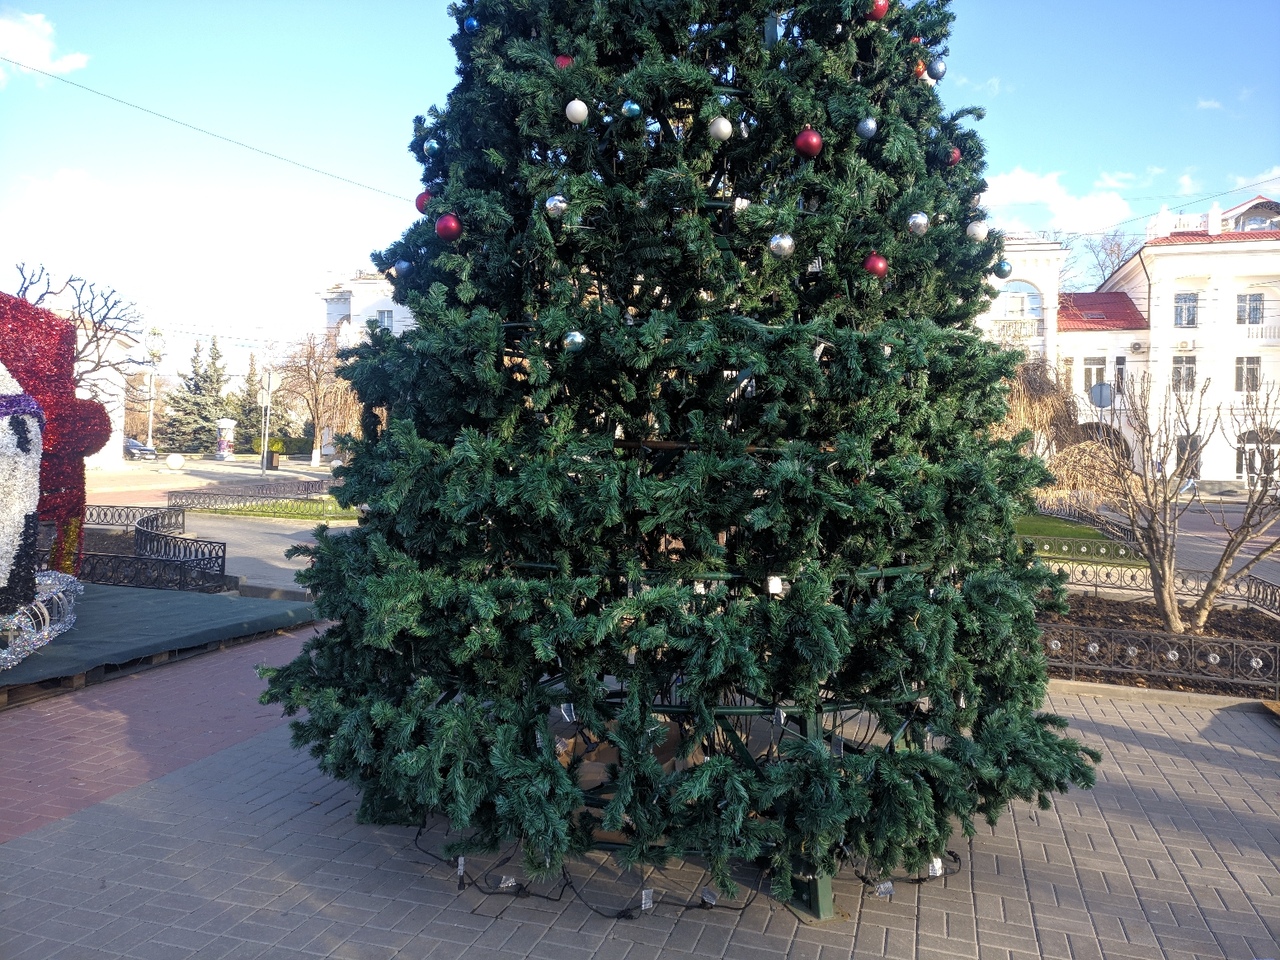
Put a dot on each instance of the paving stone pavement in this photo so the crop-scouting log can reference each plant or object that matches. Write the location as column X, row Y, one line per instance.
column 213, row 839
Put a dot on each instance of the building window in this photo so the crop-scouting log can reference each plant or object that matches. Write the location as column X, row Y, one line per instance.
column 1248, row 374
column 1184, row 309
column 1256, row 458
column 1184, row 374
column 1067, row 374
column 1189, row 454
column 1120, row 371
column 1248, row 308
column 1095, row 371
column 384, row 319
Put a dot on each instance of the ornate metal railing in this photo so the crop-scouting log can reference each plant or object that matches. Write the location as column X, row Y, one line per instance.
column 1096, row 652
column 154, row 572
column 207, row 555
column 1252, row 591
column 229, row 496
column 170, row 520
column 1072, row 548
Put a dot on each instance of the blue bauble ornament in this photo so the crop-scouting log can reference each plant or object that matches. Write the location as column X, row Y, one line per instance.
column 867, row 128
column 431, row 148
column 631, row 109
column 937, row 69
column 471, row 24
column 1003, row 270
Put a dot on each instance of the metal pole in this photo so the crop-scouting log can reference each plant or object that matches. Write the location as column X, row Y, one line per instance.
column 151, row 399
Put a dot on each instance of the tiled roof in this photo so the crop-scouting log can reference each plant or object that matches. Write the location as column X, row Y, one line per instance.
column 1098, row 311
column 1202, row 236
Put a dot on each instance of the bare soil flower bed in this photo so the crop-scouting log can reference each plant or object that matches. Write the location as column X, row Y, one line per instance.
column 1224, row 622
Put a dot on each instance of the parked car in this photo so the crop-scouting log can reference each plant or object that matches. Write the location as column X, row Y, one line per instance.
column 136, row 450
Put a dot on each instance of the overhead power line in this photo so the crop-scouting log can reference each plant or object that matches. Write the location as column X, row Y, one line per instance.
column 207, row 133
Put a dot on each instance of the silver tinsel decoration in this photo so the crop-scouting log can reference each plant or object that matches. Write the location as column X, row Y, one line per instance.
column 556, row 206
column 51, row 613
column 782, row 245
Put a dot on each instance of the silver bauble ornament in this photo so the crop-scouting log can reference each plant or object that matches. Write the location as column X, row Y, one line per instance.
column 918, row 223
column 782, row 245
column 720, row 129
column 937, row 69
column 867, row 128
column 1003, row 270
column 431, row 148
column 576, row 111
column 400, row 268
column 556, row 206
column 977, row 230
column 630, row 109
column 573, row 341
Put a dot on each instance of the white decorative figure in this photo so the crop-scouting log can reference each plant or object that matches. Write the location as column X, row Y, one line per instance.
column 21, row 437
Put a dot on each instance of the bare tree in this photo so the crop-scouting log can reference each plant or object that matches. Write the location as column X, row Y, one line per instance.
column 1145, row 466
column 108, row 326
column 1104, row 253
column 1253, row 534
column 308, row 372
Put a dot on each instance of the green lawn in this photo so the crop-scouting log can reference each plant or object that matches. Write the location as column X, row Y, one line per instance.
column 1042, row 526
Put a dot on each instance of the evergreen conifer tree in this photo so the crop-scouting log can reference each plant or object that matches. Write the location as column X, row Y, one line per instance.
column 674, row 471
column 243, row 406
column 196, row 406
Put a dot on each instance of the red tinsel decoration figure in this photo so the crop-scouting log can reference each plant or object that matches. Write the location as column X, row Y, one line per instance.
column 38, row 348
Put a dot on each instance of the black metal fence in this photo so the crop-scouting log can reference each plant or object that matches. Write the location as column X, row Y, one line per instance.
column 153, row 572
column 1251, row 591
column 166, row 519
column 230, row 497
column 1094, row 653
column 161, row 560
column 1079, row 549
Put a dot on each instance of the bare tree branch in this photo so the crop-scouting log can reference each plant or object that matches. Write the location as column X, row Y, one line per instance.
column 309, row 373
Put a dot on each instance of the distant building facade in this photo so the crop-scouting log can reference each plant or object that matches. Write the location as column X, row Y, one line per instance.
column 1199, row 302
column 352, row 303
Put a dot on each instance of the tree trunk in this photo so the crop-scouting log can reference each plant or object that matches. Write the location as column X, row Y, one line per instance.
column 1163, row 589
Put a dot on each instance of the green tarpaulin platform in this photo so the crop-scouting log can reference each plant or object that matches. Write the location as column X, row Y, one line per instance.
column 119, row 628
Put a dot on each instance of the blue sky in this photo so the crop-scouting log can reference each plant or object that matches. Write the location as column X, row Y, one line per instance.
column 1097, row 114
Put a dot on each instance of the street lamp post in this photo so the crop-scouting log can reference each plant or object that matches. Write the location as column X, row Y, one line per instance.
column 264, row 401
column 154, row 341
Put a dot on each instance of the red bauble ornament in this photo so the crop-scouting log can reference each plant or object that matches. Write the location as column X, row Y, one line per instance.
column 953, row 157
column 421, row 201
column 915, row 40
column 449, row 228
column 564, row 62
column 809, row 142
column 876, row 264
column 878, row 9
column 920, row 69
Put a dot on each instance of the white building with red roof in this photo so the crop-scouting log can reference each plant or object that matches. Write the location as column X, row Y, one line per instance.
column 1199, row 302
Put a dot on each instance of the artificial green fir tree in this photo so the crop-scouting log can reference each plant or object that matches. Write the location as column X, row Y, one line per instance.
column 688, row 463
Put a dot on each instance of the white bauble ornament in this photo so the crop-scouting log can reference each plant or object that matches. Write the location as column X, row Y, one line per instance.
column 576, row 111
column 720, row 129
column 977, row 230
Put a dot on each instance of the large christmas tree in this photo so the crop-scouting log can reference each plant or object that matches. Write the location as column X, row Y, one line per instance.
column 684, row 527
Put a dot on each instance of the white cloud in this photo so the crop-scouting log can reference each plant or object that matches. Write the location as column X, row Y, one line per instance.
column 1188, row 185
column 28, row 38
column 1206, row 104
column 1273, row 175
column 991, row 87
column 244, row 264
column 1021, row 196
column 1125, row 180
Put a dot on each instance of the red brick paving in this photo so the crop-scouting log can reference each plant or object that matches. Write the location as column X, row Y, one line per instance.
column 61, row 755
